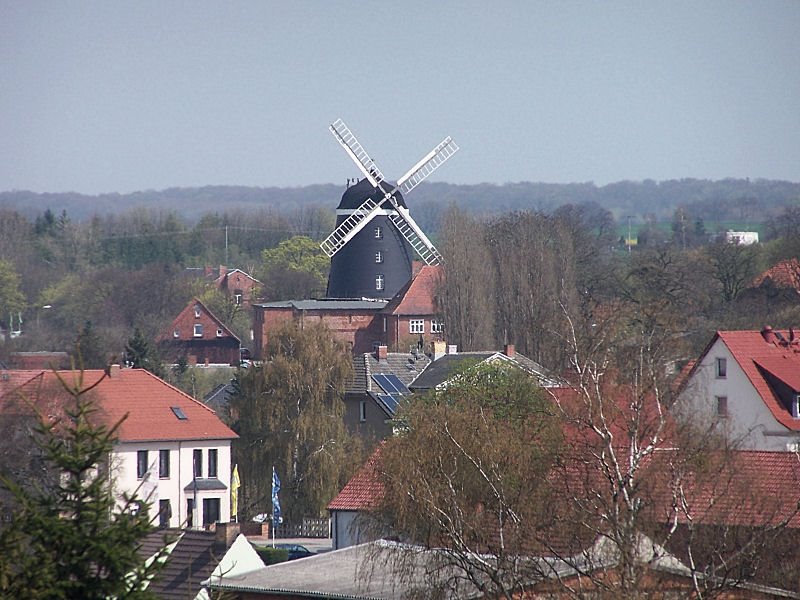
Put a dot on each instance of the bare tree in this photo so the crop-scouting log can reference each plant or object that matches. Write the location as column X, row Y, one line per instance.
column 465, row 291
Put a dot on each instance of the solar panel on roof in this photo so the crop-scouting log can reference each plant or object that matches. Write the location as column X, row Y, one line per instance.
column 390, row 401
column 395, row 381
column 384, row 382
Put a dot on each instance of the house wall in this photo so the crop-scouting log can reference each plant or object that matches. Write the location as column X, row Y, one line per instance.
column 358, row 329
column 374, row 426
column 399, row 336
column 344, row 529
column 748, row 420
column 124, row 463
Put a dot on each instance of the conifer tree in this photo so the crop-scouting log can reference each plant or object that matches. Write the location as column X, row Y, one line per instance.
column 68, row 536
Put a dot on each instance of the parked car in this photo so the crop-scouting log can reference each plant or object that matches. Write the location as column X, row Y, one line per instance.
column 296, row 550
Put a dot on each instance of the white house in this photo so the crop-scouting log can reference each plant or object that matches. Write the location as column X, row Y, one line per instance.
column 749, row 382
column 171, row 449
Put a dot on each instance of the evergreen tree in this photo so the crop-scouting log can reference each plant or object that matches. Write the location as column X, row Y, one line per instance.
column 68, row 537
column 139, row 354
column 88, row 352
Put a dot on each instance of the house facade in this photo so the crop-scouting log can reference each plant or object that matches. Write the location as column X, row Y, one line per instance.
column 409, row 320
column 171, row 449
column 748, row 384
column 380, row 382
column 197, row 335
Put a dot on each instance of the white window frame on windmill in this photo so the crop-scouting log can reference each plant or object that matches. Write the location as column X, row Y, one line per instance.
column 380, row 282
column 378, row 232
column 416, row 326
column 378, row 257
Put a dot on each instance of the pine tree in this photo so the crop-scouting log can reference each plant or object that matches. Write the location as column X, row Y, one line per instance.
column 68, row 537
column 140, row 355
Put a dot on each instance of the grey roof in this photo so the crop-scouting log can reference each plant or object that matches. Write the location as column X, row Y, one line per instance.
column 353, row 573
column 445, row 367
column 405, row 365
column 333, row 304
column 206, row 485
column 218, row 399
column 190, row 562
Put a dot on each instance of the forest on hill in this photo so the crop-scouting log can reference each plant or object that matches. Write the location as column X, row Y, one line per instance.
column 744, row 201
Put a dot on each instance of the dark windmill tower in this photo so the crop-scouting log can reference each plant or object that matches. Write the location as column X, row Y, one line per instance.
column 375, row 238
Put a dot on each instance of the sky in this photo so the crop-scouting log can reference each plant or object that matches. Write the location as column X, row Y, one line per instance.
column 114, row 96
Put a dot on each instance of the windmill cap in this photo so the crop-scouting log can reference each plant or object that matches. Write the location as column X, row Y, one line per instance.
column 356, row 194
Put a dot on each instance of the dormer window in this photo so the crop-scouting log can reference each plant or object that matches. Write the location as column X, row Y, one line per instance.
column 722, row 368
column 196, row 311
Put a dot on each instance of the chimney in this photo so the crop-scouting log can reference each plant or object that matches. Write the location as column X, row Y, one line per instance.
column 769, row 335
column 439, row 349
column 223, row 270
column 381, row 353
column 226, row 533
column 509, row 350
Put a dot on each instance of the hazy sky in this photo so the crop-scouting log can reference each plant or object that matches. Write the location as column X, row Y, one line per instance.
column 123, row 96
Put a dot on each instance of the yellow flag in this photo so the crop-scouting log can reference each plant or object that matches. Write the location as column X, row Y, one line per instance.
column 235, row 485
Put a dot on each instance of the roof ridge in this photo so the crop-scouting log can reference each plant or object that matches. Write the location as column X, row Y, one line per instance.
column 367, row 372
column 180, row 391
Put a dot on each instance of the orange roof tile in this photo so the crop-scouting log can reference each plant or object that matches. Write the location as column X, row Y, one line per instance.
column 418, row 295
column 363, row 490
column 785, row 274
column 749, row 348
column 144, row 400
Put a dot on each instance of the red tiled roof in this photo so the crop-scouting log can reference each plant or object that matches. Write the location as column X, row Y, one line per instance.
column 142, row 398
column 417, row 297
column 750, row 347
column 785, row 274
column 363, row 490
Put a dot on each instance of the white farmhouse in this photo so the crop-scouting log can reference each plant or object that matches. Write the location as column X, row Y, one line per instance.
column 749, row 383
column 170, row 449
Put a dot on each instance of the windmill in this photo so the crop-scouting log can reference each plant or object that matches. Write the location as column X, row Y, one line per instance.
column 375, row 261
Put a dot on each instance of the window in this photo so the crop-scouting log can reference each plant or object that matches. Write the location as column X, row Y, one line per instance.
column 141, row 464
column 210, row 510
column 796, row 406
column 362, row 411
column 189, row 513
column 379, row 282
column 176, row 333
column 379, row 233
column 212, row 462
column 164, row 513
column 237, row 297
column 437, row 326
column 197, row 463
column 198, row 330
column 178, row 412
column 384, row 324
column 163, row 464
column 416, row 326
column 379, row 257
column 196, row 311
column 219, row 332
column 722, row 368
column 722, row 406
